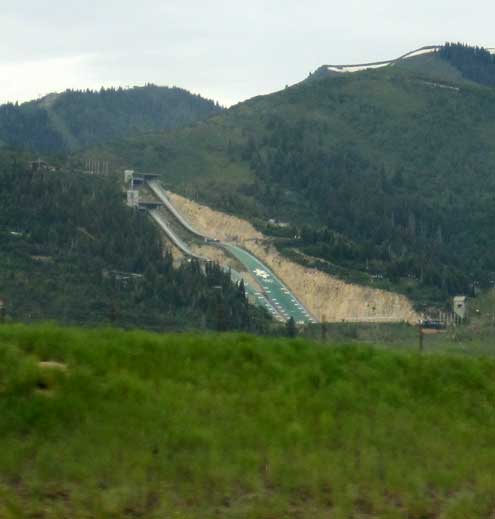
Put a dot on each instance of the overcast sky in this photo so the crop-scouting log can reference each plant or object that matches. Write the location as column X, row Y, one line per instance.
column 228, row 50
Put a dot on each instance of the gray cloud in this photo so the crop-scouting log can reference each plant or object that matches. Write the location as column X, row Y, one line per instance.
column 228, row 50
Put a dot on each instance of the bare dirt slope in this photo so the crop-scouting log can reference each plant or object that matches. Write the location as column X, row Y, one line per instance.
column 327, row 297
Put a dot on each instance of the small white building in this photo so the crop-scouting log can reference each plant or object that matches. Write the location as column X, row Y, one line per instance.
column 460, row 306
column 276, row 223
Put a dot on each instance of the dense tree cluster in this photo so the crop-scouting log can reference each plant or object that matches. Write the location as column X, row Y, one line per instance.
column 475, row 63
column 76, row 119
column 70, row 250
column 28, row 127
column 95, row 117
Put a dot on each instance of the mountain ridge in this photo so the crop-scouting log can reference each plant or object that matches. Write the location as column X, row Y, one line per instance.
column 74, row 119
column 405, row 59
column 421, row 50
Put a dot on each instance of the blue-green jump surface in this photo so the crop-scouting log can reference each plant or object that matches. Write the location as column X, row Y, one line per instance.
column 283, row 304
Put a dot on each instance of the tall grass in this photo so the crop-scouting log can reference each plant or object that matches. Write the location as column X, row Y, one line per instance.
column 236, row 426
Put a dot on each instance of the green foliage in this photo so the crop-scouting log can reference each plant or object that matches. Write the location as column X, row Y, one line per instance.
column 28, row 127
column 77, row 119
column 71, row 250
column 291, row 328
column 234, row 426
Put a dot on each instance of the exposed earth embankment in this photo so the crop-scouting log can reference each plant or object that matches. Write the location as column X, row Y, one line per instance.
column 327, row 297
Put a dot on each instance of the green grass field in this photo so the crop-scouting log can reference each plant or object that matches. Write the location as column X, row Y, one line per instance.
column 131, row 424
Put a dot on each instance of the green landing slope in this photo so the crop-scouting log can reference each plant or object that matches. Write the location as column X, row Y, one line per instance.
column 283, row 302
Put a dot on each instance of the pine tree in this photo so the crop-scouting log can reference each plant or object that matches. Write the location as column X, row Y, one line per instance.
column 290, row 327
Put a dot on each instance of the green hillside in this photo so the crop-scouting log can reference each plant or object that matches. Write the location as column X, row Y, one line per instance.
column 434, row 68
column 76, row 119
column 383, row 174
column 121, row 425
column 71, row 251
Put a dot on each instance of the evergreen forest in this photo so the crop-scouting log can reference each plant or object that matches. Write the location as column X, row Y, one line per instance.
column 73, row 120
column 475, row 63
column 71, row 250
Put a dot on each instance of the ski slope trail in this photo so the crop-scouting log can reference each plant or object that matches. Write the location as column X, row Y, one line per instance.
column 274, row 295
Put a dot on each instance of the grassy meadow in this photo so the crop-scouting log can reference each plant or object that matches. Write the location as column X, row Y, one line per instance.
column 104, row 423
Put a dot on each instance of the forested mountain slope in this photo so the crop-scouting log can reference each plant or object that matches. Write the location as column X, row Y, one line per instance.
column 70, row 250
column 76, row 119
column 386, row 173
